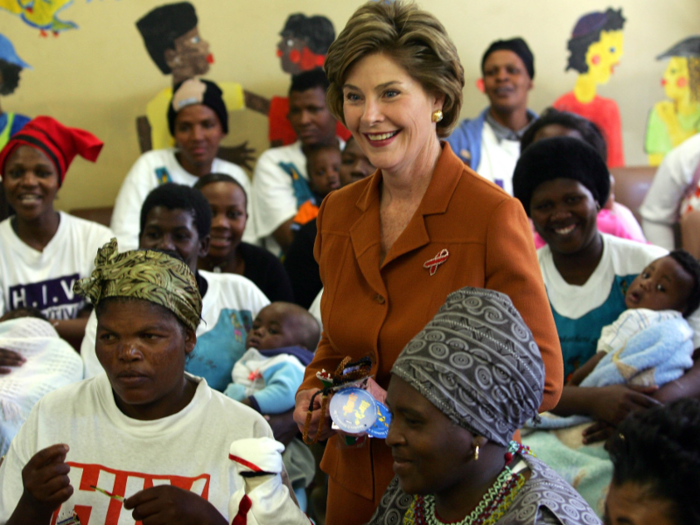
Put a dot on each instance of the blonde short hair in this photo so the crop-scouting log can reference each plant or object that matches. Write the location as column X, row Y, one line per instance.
column 414, row 38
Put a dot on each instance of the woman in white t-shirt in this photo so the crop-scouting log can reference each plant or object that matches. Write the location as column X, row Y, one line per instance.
column 145, row 441
column 198, row 121
column 562, row 182
column 45, row 251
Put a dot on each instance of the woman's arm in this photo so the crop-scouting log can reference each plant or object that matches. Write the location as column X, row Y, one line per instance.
column 687, row 386
column 512, row 268
column 608, row 403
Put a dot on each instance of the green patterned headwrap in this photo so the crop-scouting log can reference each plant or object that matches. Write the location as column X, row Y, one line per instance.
column 144, row 274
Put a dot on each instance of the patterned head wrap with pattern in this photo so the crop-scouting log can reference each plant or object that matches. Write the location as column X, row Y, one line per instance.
column 477, row 362
column 144, row 274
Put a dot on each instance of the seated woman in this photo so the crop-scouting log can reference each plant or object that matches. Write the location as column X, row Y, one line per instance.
column 614, row 218
column 656, row 456
column 140, row 434
column 198, row 120
column 227, row 252
column 459, row 391
column 561, row 182
column 45, row 251
column 177, row 218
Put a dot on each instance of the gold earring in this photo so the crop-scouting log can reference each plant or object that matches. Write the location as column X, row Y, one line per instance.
column 476, row 453
column 437, row 115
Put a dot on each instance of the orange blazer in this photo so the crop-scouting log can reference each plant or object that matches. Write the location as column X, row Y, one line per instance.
column 373, row 309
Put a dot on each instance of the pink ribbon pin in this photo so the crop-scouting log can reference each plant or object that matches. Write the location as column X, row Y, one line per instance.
column 432, row 264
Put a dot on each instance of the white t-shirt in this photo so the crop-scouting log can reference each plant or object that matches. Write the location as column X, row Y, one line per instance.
column 228, row 309
column 157, row 167
column 123, row 456
column 498, row 159
column 662, row 204
column 44, row 280
column 274, row 194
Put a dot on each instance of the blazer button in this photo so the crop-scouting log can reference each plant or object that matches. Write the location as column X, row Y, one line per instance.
column 379, row 299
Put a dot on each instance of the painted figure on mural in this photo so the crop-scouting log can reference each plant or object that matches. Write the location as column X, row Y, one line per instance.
column 678, row 118
column 303, row 46
column 11, row 66
column 171, row 35
column 596, row 46
column 42, row 15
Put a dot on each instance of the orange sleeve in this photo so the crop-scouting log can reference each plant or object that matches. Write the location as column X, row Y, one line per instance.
column 512, row 268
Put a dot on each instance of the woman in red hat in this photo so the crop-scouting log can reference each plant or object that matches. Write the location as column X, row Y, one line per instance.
column 45, row 251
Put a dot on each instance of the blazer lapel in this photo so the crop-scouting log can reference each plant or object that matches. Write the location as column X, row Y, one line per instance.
column 446, row 176
column 365, row 235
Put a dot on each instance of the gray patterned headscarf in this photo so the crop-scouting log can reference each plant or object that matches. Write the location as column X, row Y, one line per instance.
column 478, row 363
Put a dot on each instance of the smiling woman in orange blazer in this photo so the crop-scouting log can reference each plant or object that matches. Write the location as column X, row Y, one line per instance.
column 393, row 246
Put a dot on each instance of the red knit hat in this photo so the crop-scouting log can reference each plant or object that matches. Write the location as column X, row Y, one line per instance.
column 59, row 143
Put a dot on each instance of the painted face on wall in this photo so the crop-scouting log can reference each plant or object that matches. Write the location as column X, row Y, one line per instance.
column 289, row 51
column 676, row 81
column 602, row 56
column 191, row 56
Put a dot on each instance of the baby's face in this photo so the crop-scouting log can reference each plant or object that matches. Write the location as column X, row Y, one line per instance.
column 274, row 327
column 324, row 171
column 663, row 285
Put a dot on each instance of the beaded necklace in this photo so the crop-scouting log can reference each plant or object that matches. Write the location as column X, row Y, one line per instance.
column 493, row 504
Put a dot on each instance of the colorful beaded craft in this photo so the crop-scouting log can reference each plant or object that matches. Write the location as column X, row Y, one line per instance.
column 490, row 509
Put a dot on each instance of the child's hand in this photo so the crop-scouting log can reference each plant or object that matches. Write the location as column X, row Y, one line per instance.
column 377, row 392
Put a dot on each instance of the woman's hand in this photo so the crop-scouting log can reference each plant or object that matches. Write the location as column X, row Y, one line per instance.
column 611, row 404
column 302, row 407
column 168, row 505
column 10, row 358
column 46, row 486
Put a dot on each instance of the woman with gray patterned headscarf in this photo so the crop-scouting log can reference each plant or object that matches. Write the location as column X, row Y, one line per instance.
column 459, row 391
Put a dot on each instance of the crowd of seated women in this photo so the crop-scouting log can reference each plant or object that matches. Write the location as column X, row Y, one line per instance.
column 417, row 266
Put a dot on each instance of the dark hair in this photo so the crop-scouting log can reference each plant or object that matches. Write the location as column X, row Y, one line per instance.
column 589, row 131
column 163, row 25
column 179, row 197
column 310, row 331
column 313, row 78
column 316, row 148
column 211, row 178
column 691, row 265
column 23, row 312
column 658, row 449
column 9, row 73
column 587, row 31
column 560, row 158
column 317, row 31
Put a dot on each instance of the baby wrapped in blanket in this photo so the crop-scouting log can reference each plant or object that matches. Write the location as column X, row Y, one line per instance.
column 651, row 343
column 48, row 363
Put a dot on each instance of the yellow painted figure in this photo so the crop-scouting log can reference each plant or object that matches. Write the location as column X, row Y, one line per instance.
column 596, row 47
column 41, row 14
column 674, row 120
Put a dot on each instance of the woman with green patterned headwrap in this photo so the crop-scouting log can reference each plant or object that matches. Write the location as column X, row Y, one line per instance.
column 146, row 432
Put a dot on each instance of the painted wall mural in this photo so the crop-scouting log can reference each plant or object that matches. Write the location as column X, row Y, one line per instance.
column 171, row 35
column 11, row 66
column 41, row 14
column 303, row 46
column 673, row 120
column 596, row 47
